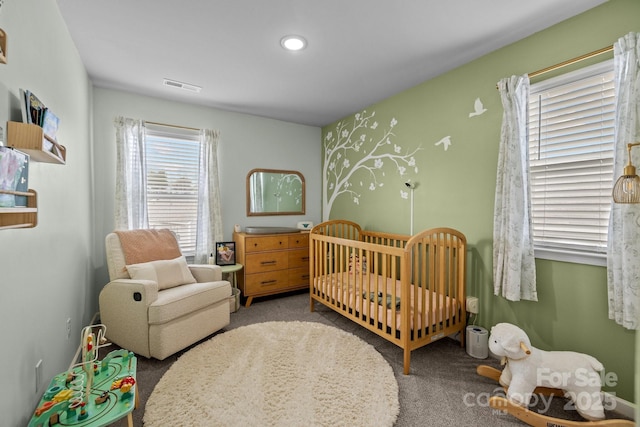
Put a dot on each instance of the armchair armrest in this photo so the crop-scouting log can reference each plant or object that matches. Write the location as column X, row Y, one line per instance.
column 124, row 309
column 206, row 272
column 129, row 291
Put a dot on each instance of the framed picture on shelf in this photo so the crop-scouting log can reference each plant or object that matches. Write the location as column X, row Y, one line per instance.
column 225, row 253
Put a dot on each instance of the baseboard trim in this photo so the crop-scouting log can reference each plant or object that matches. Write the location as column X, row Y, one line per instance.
column 621, row 406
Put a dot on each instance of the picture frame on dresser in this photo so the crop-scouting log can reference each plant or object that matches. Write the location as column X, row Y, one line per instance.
column 225, row 253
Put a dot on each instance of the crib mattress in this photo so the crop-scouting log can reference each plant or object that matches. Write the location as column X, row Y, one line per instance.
column 351, row 290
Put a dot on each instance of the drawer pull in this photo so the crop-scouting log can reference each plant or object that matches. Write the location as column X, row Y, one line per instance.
column 268, row 282
column 305, row 276
column 305, row 258
column 268, row 262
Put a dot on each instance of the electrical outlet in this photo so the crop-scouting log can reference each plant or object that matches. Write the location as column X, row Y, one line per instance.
column 68, row 328
column 472, row 305
column 38, row 375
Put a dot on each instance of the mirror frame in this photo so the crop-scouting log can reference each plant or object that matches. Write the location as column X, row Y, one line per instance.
column 276, row 171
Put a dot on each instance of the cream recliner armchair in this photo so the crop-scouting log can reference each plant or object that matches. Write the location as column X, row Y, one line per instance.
column 160, row 306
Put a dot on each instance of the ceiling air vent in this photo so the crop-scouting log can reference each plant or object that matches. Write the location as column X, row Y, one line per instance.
column 180, row 85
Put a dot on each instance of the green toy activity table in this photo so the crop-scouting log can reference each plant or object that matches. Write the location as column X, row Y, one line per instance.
column 112, row 394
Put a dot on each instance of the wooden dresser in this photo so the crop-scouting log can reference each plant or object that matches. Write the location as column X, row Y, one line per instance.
column 273, row 263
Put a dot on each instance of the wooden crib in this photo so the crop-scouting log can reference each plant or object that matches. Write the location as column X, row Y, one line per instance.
column 410, row 290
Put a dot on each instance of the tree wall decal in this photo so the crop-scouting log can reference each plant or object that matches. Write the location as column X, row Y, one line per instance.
column 359, row 146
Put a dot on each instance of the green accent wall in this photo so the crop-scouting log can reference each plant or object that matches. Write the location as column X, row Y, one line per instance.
column 456, row 187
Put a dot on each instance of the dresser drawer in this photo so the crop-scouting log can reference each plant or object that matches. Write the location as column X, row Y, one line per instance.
column 266, row 261
column 299, row 276
column 299, row 258
column 299, row 240
column 267, row 282
column 266, row 243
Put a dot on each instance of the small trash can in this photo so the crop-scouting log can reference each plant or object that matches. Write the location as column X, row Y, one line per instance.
column 477, row 342
column 234, row 300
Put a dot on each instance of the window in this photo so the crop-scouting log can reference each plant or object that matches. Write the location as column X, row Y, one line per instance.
column 167, row 176
column 571, row 146
column 172, row 165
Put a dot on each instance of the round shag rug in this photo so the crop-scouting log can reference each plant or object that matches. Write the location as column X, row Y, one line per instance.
column 277, row 374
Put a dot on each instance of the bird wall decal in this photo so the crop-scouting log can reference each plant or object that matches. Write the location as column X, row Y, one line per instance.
column 446, row 142
column 478, row 108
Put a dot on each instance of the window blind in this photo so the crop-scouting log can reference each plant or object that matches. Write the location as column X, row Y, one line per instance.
column 172, row 160
column 571, row 146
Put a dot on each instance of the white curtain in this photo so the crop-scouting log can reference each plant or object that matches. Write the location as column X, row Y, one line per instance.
column 209, row 228
column 514, row 270
column 131, row 175
column 623, row 257
column 131, row 185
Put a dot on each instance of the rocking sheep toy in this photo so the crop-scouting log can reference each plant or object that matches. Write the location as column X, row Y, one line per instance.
column 527, row 367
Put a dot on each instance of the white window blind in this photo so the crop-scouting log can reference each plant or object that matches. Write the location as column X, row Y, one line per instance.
column 172, row 160
column 571, row 143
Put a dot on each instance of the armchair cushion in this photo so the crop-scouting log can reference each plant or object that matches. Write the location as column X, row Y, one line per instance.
column 148, row 245
column 167, row 273
column 206, row 272
column 183, row 300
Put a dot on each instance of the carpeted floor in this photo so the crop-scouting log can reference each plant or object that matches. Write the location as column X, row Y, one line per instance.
column 443, row 388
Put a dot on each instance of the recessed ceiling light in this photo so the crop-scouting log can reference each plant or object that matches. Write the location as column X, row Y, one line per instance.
column 293, row 43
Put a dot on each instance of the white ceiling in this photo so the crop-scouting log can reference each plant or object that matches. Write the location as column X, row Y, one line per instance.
column 359, row 51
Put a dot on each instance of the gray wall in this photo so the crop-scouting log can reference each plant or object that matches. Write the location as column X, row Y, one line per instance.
column 246, row 142
column 46, row 272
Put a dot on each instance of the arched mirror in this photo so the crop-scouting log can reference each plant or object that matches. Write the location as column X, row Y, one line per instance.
column 275, row 192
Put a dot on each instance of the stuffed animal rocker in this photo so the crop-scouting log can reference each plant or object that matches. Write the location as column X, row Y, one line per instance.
column 527, row 367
